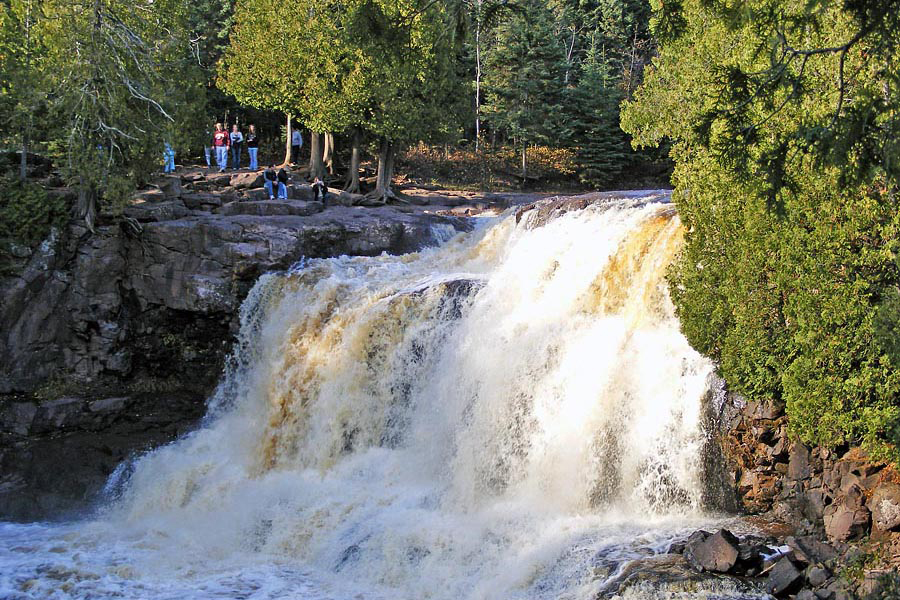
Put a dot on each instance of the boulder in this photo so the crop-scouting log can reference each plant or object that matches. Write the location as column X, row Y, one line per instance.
column 272, row 208
column 218, row 180
column 242, row 181
column 300, row 191
column 885, row 506
column 169, row 185
column 157, row 211
column 811, row 549
column 805, row 595
column 202, row 201
column 151, row 195
column 798, row 466
column 817, row 576
column 256, row 194
column 784, row 578
column 848, row 519
column 717, row 553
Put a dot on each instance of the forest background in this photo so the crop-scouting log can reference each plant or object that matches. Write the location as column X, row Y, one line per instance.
column 780, row 118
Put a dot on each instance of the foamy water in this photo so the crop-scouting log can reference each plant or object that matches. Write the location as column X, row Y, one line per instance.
column 512, row 415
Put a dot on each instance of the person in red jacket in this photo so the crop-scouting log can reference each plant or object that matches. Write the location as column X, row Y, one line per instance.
column 222, row 144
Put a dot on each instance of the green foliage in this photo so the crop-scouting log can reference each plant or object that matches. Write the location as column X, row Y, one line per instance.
column 788, row 277
column 525, row 79
column 99, row 86
column 27, row 213
column 593, row 124
column 887, row 325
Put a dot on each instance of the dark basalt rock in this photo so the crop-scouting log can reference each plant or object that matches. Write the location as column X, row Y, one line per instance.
column 717, row 553
column 784, row 578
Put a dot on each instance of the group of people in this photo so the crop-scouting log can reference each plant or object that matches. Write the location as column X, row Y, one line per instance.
column 276, row 183
column 228, row 146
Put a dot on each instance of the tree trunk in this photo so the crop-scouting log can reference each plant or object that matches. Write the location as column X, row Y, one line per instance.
column 524, row 163
column 478, row 80
column 287, row 146
column 86, row 208
column 383, row 192
column 23, row 160
column 352, row 184
column 316, row 167
column 328, row 153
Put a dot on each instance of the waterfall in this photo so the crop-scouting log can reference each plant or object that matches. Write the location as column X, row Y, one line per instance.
column 513, row 414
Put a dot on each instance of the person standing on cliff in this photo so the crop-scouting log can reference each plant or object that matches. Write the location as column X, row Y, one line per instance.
column 252, row 142
column 168, row 158
column 296, row 144
column 208, row 148
column 237, row 142
column 222, row 144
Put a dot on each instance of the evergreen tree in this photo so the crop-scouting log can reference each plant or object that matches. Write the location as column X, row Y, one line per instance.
column 22, row 78
column 783, row 120
column 263, row 64
column 111, row 68
column 593, row 122
column 409, row 52
column 525, row 76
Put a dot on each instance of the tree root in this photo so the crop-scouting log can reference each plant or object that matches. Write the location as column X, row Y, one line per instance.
column 352, row 187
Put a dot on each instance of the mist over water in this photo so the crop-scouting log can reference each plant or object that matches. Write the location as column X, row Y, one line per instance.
column 514, row 414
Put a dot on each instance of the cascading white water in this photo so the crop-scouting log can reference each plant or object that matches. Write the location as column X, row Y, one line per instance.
column 512, row 415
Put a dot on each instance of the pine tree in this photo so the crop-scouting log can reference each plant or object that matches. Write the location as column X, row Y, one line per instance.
column 116, row 72
column 593, row 125
column 524, row 81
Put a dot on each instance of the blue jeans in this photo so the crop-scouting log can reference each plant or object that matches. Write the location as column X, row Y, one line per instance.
column 206, row 155
column 282, row 190
column 235, row 156
column 253, row 152
column 170, row 162
column 222, row 157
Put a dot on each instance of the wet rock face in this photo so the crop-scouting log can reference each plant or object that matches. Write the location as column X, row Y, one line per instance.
column 541, row 212
column 90, row 306
column 74, row 444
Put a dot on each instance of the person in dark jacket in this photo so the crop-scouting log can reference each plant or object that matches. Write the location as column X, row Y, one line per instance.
column 283, row 179
column 319, row 190
column 271, row 180
column 252, row 141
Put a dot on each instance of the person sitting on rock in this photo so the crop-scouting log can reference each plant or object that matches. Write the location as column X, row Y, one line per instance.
column 283, row 179
column 271, row 178
column 319, row 190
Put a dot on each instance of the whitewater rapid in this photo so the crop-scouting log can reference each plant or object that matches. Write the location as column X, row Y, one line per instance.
column 514, row 414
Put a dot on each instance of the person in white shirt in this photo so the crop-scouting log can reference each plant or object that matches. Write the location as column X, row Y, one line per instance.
column 296, row 144
column 237, row 141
